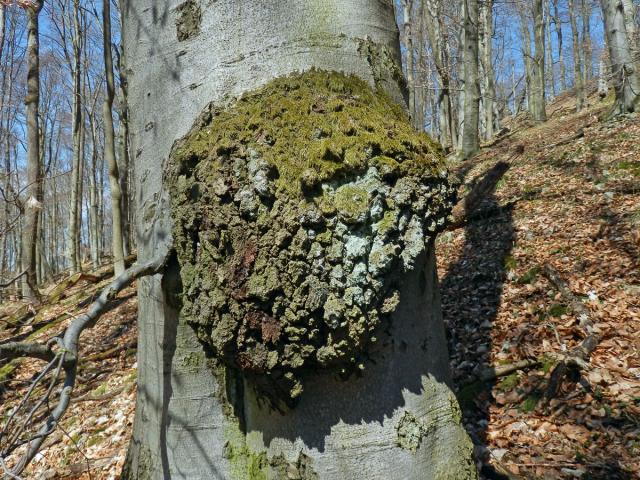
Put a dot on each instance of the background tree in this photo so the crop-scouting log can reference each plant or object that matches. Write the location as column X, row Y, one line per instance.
column 470, row 136
column 625, row 76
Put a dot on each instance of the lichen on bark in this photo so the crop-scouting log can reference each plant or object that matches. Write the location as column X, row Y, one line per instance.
column 297, row 209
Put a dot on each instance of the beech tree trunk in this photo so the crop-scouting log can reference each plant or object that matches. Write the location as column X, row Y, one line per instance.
column 537, row 97
column 626, row 81
column 78, row 154
column 470, row 132
column 557, row 23
column 33, row 190
column 578, row 77
column 117, row 245
column 181, row 58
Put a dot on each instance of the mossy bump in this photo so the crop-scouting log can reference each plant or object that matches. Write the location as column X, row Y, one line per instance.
column 297, row 210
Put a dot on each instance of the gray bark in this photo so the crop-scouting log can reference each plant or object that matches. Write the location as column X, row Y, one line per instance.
column 77, row 121
column 626, row 81
column 537, row 97
column 33, row 190
column 488, row 99
column 587, row 60
column 117, row 245
column 347, row 430
column 557, row 23
column 578, row 77
column 549, row 70
column 470, row 134
column 407, row 7
column 436, row 31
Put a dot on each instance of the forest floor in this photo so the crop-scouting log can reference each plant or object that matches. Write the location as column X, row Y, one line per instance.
column 569, row 202
column 572, row 204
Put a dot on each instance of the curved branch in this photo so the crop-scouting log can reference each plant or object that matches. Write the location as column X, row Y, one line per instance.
column 70, row 350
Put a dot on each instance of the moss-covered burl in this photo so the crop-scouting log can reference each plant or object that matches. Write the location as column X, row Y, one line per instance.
column 297, row 210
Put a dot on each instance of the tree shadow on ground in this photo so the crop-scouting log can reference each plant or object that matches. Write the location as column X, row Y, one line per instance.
column 471, row 290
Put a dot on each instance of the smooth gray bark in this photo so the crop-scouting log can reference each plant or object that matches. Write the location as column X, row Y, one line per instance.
column 557, row 23
column 117, row 244
column 578, row 76
column 537, row 97
column 626, row 81
column 182, row 425
column 33, row 190
column 470, row 133
column 78, row 154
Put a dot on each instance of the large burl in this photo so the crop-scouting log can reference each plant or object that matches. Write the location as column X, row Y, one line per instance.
column 298, row 208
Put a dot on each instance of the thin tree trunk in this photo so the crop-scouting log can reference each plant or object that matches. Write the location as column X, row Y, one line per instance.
column 626, row 81
column 557, row 22
column 549, row 68
column 470, row 137
column 407, row 7
column 110, row 149
column 587, row 60
column 33, row 190
column 537, row 106
column 77, row 122
column 487, row 63
column 525, row 38
column 578, row 78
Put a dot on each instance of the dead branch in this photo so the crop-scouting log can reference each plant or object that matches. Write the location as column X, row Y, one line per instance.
column 11, row 350
column 67, row 360
column 584, row 316
column 499, row 371
column 13, row 280
column 578, row 357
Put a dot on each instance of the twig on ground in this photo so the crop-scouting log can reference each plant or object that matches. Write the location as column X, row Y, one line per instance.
column 579, row 356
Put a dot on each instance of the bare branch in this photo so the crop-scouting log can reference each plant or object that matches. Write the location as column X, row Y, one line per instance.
column 68, row 355
column 11, row 350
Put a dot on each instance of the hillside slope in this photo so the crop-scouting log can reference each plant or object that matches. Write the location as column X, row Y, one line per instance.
column 569, row 203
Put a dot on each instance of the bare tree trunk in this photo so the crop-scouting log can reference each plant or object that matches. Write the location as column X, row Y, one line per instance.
column 33, row 190
column 125, row 164
column 557, row 23
column 578, row 78
column 470, row 137
column 437, row 33
column 537, row 98
column 626, row 81
column 110, row 149
column 549, row 68
column 94, row 233
column 185, row 428
column 587, row 52
column 3, row 28
column 527, row 57
column 78, row 154
column 488, row 100
column 407, row 8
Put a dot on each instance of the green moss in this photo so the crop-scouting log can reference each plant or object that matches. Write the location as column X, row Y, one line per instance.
column 312, row 128
column 530, row 403
column 557, row 310
column 287, row 208
column 509, row 382
column 529, row 276
column 7, row 370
